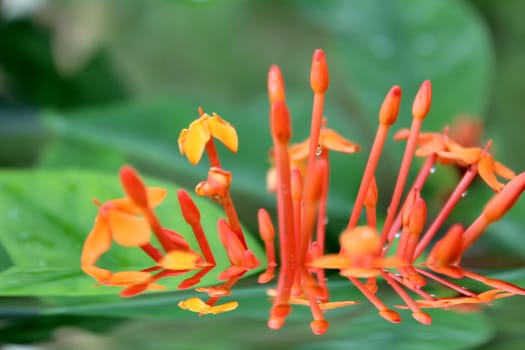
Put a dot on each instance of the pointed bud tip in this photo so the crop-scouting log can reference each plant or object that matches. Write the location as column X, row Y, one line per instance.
column 319, row 78
column 189, row 210
column 133, row 186
column 390, row 107
column 276, row 91
column 423, row 100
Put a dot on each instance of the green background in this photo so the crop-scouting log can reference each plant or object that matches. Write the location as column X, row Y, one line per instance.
column 86, row 86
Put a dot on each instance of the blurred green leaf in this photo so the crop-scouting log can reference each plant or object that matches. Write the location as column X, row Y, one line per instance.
column 48, row 214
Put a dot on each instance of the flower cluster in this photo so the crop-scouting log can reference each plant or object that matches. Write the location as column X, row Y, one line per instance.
column 299, row 176
column 129, row 222
column 368, row 252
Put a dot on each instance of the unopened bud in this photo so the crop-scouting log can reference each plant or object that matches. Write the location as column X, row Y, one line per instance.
column 189, row 210
column 133, row 186
column 422, row 101
column 265, row 226
column 280, row 122
column 319, row 79
column 276, row 90
column 504, row 200
column 390, row 107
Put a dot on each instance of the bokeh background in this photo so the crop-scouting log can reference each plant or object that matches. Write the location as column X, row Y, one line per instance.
column 90, row 85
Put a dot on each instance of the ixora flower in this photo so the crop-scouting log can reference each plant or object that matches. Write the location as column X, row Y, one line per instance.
column 369, row 253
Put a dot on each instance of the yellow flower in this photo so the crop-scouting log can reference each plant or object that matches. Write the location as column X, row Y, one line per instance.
column 192, row 141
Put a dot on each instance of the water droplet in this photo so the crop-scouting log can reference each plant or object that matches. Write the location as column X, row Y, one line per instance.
column 433, row 170
column 464, row 194
column 398, row 234
column 319, row 150
column 42, row 263
column 13, row 214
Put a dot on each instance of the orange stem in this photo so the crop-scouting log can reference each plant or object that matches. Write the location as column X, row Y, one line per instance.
column 402, row 177
column 368, row 174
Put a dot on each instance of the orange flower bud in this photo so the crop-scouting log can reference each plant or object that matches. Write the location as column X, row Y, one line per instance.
column 390, row 107
column 415, row 213
column 133, row 186
column 447, row 251
column 503, row 201
column 265, row 226
column 276, row 90
column 217, row 185
column 319, row 79
column 422, row 101
column 280, row 122
column 371, row 194
column 189, row 210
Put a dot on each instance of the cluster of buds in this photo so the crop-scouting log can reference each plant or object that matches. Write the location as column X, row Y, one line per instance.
column 129, row 222
column 300, row 178
column 368, row 252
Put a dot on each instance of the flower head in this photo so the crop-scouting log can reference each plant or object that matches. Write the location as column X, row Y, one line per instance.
column 193, row 141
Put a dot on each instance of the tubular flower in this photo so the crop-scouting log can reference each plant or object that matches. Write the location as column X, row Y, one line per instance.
column 373, row 254
column 367, row 252
column 329, row 139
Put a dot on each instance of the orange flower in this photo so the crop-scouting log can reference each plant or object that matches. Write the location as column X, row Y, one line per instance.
column 360, row 254
column 328, row 139
column 488, row 167
column 117, row 220
column 192, row 141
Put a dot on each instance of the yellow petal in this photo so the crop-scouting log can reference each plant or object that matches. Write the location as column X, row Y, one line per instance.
column 128, row 230
column 195, row 141
column 195, row 305
column 97, row 242
column 335, row 142
column 217, row 309
column 224, row 132
column 180, row 260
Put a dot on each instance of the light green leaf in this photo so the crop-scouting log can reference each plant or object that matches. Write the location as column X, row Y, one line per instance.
column 46, row 215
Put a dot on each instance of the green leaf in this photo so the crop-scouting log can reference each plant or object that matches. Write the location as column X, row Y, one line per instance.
column 46, row 215
column 357, row 325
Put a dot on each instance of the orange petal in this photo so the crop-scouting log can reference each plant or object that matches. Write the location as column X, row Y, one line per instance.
column 223, row 131
column 429, row 148
column 360, row 241
column 503, row 171
column 96, row 272
column 128, row 230
column 195, row 139
column 299, row 151
column 180, row 260
column 97, row 242
column 330, row 261
column 217, row 309
column 486, row 172
column 335, row 142
column 128, row 277
column 155, row 196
